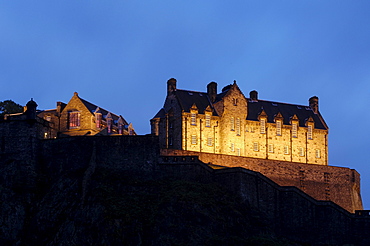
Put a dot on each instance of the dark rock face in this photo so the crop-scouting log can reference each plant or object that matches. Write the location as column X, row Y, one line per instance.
column 119, row 191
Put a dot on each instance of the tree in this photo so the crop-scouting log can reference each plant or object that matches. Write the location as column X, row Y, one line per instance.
column 10, row 107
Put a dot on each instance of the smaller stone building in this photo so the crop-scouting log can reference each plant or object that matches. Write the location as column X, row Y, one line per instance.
column 82, row 118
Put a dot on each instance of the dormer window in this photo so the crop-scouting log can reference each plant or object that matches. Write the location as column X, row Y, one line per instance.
column 294, row 130
column 278, row 128
column 193, row 119
column 263, row 126
column 309, row 132
column 208, row 120
column 74, row 119
column 98, row 120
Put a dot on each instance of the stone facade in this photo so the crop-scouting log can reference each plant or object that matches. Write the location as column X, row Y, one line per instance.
column 326, row 183
column 229, row 123
column 79, row 118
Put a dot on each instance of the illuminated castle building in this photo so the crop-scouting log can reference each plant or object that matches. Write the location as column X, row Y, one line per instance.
column 287, row 143
column 229, row 123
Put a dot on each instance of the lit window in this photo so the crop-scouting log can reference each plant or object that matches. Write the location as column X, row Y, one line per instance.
column 232, row 147
column 271, row 148
column 301, row 151
column 317, row 153
column 209, row 141
column 294, row 130
column 48, row 118
column 232, row 124
column 208, row 120
column 278, row 128
column 286, row 150
column 193, row 119
column 46, row 135
column 238, row 126
column 255, row 146
column 98, row 120
column 263, row 126
column 74, row 120
column 109, row 124
column 309, row 132
column 193, row 139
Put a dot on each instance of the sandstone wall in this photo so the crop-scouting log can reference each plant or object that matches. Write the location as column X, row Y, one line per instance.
column 337, row 184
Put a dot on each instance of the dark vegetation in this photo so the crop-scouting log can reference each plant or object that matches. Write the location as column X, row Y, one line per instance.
column 10, row 107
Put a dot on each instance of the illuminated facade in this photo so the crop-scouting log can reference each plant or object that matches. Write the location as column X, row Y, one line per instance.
column 81, row 118
column 229, row 123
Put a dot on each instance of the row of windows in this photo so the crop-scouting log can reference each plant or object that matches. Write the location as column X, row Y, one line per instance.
column 301, row 151
column 193, row 120
column 74, row 121
column 194, row 140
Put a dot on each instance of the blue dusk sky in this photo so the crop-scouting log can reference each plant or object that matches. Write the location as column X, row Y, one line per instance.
column 119, row 55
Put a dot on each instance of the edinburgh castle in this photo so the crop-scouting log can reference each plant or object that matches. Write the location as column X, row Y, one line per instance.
column 272, row 157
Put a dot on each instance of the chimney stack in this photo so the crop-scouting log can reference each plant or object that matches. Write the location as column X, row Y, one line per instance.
column 253, row 95
column 171, row 86
column 314, row 104
column 212, row 91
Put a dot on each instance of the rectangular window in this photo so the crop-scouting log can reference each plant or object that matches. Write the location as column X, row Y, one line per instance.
column 246, row 128
column 301, row 151
column 232, row 124
column 98, row 120
column 232, row 147
column 193, row 119
column 238, row 126
column 317, row 153
column 271, row 148
column 209, row 141
column 309, row 132
column 294, row 130
column 238, row 151
column 278, row 128
column 263, row 126
column 286, row 150
column 255, row 146
column 208, row 120
column 193, row 139
column 74, row 120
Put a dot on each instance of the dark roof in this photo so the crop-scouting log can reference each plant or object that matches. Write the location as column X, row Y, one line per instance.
column 188, row 98
column 286, row 110
column 161, row 113
column 92, row 107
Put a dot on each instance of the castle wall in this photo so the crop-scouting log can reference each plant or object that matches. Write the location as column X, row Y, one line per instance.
column 287, row 209
column 337, row 184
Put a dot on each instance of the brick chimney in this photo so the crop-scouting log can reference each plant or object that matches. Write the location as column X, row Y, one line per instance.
column 314, row 104
column 171, row 86
column 212, row 91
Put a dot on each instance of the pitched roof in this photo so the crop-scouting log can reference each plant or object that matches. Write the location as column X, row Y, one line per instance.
column 286, row 110
column 92, row 108
column 188, row 98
